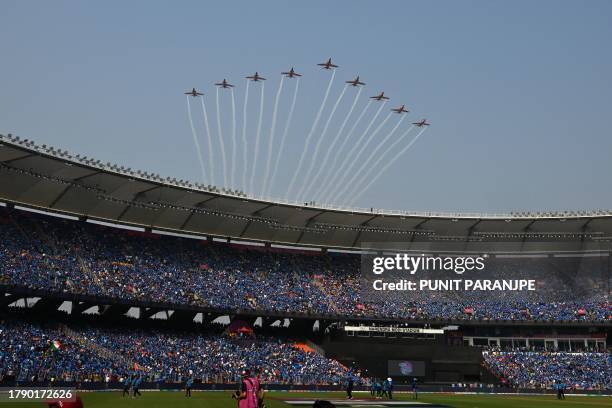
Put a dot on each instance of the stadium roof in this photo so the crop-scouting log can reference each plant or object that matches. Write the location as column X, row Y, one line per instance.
column 53, row 180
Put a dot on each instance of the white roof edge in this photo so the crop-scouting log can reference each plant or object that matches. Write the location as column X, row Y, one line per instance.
column 64, row 156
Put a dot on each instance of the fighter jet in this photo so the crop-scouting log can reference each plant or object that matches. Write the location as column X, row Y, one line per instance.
column 256, row 77
column 194, row 93
column 379, row 97
column 421, row 123
column 401, row 109
column 291, row 73
column 327, row 65
column 224, row 84
column 355, row 82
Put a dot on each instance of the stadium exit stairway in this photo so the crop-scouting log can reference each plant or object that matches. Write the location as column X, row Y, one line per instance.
column 91, row 345
column 329, row 295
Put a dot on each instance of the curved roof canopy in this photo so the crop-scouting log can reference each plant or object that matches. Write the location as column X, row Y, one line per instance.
column 53, row 180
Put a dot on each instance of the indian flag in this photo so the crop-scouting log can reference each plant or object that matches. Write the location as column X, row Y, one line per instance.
column 56, row 345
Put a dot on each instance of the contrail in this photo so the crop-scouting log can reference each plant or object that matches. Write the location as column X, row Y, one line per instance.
column 386, row 166
column 261, row 106
column 195, row 141
column 349, row 156
column 318, row 145
column 284, row 137
column 333, row 144
column 221, row 143
column 334, row 174
column 244, row 138
column 211, row 161
column 272, row 134
column 351, row 184
column 232, row 185
column 309, row 136
column 347, row 173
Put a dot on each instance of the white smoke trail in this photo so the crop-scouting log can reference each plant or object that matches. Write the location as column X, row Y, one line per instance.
column 323, row 165
column 349, row 156
column 196, row 141
column 333, row 175
column 342, row 184
column 231, row 184
column 256, row 153
column 386, row 166
column 272, row 134
column 309, row 136
column 211, row 160
column 351, row 185
column 380, row 158
column 221, row 143
column 313, row 161
column 284, row 136
column 244, row 138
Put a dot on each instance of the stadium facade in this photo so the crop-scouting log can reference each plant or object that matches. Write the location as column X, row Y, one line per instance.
column 441, row 347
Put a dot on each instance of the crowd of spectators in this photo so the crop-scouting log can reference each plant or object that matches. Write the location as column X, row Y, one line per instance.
column 528, row 369
column 31, row 352
column 43, row 352
column 60, row 255
column 215, row 358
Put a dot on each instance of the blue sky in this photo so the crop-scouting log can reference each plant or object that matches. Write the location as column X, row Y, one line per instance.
column 519, row 93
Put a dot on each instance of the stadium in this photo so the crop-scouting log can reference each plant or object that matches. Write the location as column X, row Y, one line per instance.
column 132, row 273
column 257, row 262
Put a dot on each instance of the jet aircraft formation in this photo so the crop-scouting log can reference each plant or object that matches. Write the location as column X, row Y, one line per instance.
column 324, row 65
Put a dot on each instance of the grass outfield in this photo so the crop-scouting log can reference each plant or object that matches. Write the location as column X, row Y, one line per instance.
column 275, row 400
